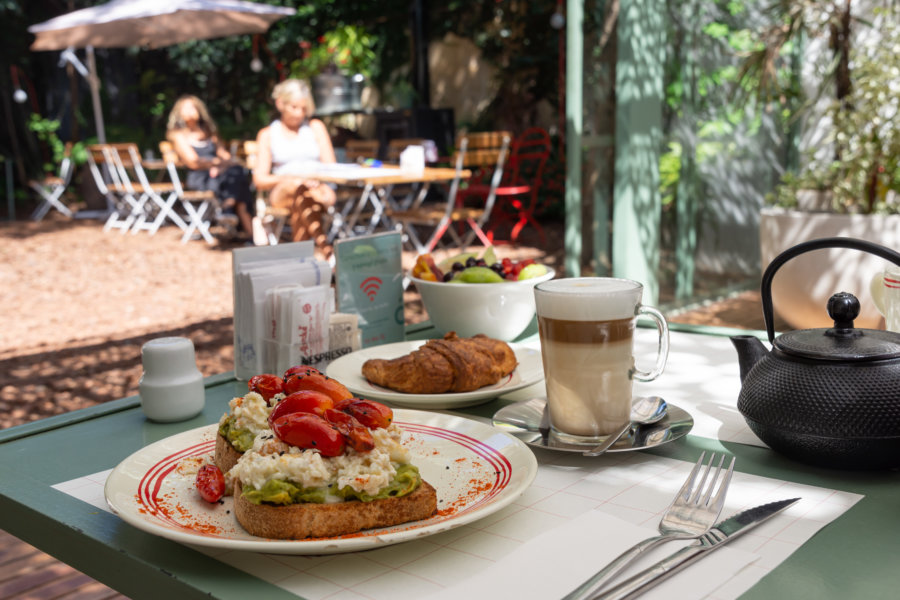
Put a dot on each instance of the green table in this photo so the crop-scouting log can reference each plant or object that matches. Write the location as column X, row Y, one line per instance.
column 854, row 557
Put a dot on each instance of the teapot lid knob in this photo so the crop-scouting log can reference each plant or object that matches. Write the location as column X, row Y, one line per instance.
column 843, row 308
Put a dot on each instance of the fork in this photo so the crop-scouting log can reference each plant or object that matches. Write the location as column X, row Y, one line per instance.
column 691, row 514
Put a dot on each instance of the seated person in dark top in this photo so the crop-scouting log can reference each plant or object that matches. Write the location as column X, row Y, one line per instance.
column 195, row 138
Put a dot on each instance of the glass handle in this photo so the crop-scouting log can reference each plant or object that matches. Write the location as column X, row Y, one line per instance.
column 662, row 348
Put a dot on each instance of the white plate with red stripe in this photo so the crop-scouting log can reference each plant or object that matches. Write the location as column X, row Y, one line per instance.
column 476, row 470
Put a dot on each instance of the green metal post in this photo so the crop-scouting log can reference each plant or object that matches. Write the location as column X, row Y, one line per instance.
column 686, row 198
column 574, row 131
column 792, row 144
column 639, row 101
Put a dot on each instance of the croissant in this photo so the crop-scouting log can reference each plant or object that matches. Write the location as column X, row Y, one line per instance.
column 452, row 364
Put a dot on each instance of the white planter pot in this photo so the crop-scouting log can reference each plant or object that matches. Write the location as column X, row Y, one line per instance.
column 802, row 286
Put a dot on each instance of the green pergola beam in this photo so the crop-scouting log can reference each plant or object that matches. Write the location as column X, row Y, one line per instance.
column 639, row 105
column 574, row 132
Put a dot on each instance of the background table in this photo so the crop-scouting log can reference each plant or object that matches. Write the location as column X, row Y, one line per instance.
column 375, row 185
column 852, row 557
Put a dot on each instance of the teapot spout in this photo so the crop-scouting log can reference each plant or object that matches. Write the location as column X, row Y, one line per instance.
column 749, row 350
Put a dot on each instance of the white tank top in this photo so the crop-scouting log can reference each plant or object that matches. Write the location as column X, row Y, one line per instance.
column 292, row 155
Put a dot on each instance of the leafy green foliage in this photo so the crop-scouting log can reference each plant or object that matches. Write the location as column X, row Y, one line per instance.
column 46, row 131
column 862, row 171
column 347, row 49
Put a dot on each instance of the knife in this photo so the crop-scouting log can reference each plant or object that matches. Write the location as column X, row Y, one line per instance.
column 720, row 534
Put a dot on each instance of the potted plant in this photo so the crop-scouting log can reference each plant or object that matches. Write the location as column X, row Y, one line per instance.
column 337, row 67
column 848, row 185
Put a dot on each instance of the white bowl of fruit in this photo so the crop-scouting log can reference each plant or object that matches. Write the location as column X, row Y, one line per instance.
column 469, row 294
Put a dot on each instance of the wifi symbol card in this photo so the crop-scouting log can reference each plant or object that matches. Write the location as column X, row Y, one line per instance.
column 369, row 279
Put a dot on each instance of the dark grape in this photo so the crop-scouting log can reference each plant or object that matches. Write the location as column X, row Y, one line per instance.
column 471, row 262
column 457, row 266
column 480, row 263
column 449, row 274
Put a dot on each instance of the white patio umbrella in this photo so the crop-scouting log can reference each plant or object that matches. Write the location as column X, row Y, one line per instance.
column 149, row 23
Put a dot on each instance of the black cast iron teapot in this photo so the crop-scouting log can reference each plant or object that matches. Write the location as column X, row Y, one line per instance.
column 828, row 396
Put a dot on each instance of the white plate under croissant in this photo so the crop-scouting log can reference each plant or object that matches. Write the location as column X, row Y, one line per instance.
column 348, row 370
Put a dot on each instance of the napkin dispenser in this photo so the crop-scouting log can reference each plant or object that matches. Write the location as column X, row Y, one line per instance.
column 824, row 396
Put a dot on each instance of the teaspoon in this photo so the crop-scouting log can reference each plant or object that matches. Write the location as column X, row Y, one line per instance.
column 645, row 410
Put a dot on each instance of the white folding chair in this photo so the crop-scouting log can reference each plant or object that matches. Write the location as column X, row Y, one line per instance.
column 152, row 203
column 51, row 187
column 121, row 206
column 205, row 200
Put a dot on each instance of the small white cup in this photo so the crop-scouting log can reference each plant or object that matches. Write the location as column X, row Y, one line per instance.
column 885, row 289
column 171, row 386
column 412, row 160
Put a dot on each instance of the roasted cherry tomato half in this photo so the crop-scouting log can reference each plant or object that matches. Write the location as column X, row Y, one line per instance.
column 305, row 401
column 371, row 414
column 300, row 370
column 341, row 405
column 266, row 385
column 355, row 434
column 210, row 483
column 318, row 383
column 306, row 430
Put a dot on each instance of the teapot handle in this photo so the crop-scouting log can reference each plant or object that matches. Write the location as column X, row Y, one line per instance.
column 804, row 247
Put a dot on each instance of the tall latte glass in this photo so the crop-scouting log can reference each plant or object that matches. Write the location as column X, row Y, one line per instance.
column 586, row 327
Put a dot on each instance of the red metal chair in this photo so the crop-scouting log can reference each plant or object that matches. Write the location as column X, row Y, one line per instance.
column 517, row 194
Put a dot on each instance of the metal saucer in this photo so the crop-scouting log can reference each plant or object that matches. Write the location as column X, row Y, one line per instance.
column 523, row 419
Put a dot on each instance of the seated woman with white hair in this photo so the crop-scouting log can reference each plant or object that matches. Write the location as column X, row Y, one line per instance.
column 289, row 147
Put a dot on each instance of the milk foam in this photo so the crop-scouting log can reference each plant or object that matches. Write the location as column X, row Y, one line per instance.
column 588, row 298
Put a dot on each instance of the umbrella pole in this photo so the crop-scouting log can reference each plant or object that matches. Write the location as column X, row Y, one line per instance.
column 94, row 83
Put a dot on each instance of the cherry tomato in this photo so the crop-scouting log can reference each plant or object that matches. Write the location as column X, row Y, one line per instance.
column 210, row 483
column 306, row 401
column 306, row 430
column 371, row 414
column 316, row 382
column 355, row 434
column 266, row 385
column 299, row 370
column 342, row 404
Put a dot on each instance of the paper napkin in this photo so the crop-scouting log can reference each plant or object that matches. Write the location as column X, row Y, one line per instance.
column 556, row 562
column 257, row 330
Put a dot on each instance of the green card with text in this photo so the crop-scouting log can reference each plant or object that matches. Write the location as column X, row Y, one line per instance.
column 370, row 284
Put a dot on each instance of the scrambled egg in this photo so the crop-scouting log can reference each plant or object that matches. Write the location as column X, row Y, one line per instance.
column 367, row 472
column 250, row 412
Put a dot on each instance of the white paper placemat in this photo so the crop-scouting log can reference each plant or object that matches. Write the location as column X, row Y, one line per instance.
column 581, row 511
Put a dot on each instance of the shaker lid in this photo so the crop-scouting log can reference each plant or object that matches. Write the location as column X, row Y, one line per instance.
column 842, row 342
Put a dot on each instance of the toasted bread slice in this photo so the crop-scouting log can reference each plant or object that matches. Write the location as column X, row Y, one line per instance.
column 226, row 456
column 299, row 521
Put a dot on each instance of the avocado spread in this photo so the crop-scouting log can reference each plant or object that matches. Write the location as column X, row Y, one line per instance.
column 277, row 491
column 240, row 439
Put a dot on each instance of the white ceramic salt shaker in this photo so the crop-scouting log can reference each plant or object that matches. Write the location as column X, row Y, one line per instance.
column 171, row 386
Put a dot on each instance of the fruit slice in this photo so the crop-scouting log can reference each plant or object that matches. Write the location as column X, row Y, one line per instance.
column 530, row 271
column 447, row 264
column 489, row 256
column 426, row 269
column 477, row 275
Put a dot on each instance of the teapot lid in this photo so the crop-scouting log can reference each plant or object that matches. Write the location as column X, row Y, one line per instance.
column 842, row 342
